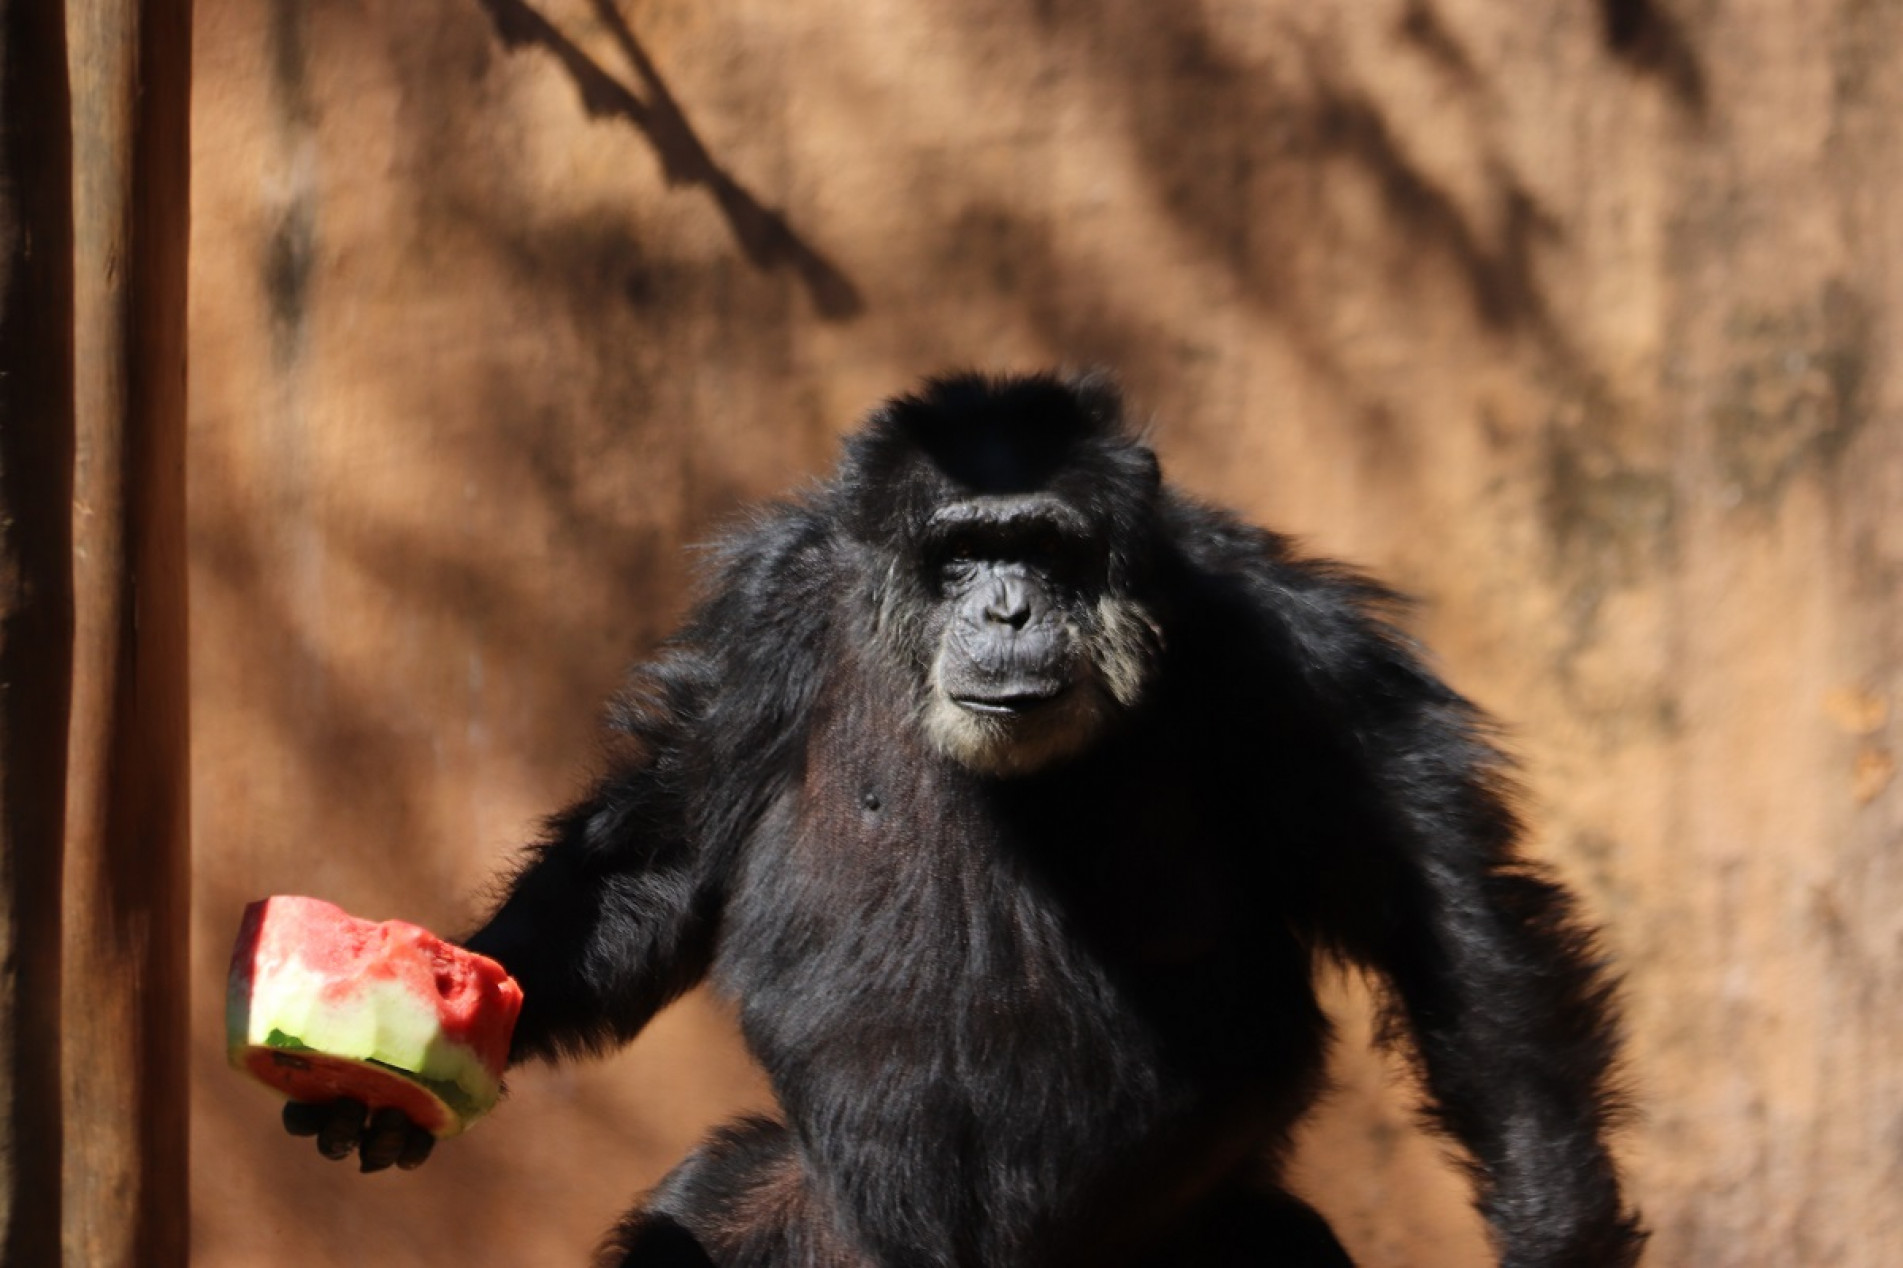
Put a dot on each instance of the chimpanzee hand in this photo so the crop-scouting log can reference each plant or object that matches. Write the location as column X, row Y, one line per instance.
column 342, row 1127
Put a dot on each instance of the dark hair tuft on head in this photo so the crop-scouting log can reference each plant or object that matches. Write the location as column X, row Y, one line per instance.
column 973, row 434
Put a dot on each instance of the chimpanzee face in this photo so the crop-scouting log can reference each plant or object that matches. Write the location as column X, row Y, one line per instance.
column 1030, row 659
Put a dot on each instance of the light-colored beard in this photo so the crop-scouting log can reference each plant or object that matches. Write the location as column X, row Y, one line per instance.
column 1121, row 653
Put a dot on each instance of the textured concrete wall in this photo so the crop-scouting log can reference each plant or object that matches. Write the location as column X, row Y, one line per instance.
column 1579, row 321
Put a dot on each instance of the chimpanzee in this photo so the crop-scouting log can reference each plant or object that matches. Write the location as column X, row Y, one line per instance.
column 1016, row 798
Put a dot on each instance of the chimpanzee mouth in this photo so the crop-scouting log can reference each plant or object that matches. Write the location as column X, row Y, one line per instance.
column 1008, row 704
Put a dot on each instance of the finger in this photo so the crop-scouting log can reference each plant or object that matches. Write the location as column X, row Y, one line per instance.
column 384, row 1139
column 415, row 1149
column 305, row 1118
column 342, row 1129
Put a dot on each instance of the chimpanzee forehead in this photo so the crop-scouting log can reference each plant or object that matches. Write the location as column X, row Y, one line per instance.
column 991, row 443
column 992, row 456
column 1000, row 436
column 1011, row 513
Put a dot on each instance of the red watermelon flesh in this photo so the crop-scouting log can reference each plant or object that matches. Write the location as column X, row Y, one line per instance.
column 321, row 1005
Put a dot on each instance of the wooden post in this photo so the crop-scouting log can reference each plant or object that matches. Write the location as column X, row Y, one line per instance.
column 36, row 609
column 126, row 877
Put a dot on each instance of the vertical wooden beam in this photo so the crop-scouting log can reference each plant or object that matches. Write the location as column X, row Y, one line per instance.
column 36, row 609
column 126, row 882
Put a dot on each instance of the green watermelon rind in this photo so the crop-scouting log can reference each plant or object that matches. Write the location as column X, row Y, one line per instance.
column 463, row 1103
column 384, row 1027
column 277, row 1000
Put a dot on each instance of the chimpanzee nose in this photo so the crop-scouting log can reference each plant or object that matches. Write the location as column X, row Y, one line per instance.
column 1010, row 603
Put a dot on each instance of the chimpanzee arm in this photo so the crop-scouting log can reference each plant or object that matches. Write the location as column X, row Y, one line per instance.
column 611, row 915
column 1415, row 872
column 1496, row 979
column 615, row 912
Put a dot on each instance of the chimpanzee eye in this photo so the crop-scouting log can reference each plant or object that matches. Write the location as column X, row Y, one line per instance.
column 960, row 549
column 1048, row 549
column 956, row 558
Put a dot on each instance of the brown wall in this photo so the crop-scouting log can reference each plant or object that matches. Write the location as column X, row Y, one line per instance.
column 1577, row 320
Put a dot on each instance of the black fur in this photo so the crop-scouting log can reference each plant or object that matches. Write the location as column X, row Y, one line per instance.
column 1061, row 1015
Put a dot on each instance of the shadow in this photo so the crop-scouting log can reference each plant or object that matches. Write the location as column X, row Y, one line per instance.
column 1423, row 28
column 763, row 234
column 1499, row 273
column 1650, row 40
column 1247, row 153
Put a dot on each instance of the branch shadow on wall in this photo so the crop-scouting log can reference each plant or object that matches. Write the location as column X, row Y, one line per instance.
column 1309, row 134
column 768, row 241
column 1287, row 128
column 1651, row 41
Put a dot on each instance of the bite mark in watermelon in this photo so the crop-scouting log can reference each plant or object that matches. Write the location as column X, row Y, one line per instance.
column 321, row 1005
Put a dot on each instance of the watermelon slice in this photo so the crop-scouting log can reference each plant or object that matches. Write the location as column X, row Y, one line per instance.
column 321, row 1005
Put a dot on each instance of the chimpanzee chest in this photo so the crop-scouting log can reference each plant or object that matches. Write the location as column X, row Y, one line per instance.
column 1081, row 899
column 990, row 983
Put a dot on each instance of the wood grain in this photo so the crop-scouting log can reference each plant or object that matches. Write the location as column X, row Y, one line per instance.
column 127, row 863
column 36, row 612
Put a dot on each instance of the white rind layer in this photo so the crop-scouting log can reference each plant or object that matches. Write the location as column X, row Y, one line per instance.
column 379, row 1021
